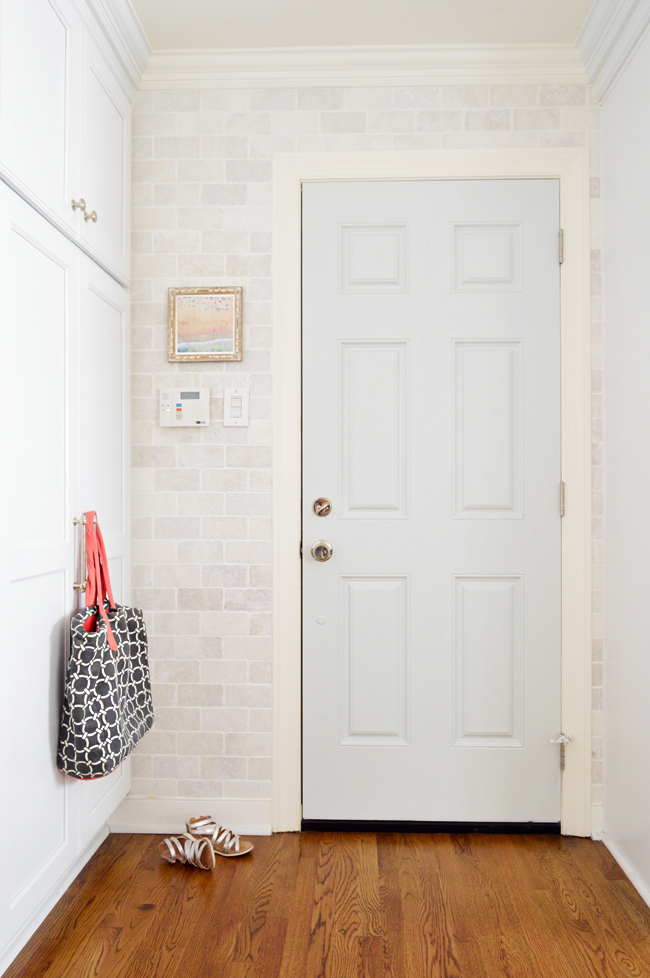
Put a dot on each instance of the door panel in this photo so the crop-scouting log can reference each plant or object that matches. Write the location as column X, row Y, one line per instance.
column 488, row 649
column 32, row 775
column 431, row 638
column 40, row 44
column 487, row 429
column 105, row 162
column 39, row 276
column 102, row 396
column 374, row 657
column 39, row 296
column 373, row 459
column 65, row 435
column 104, row 419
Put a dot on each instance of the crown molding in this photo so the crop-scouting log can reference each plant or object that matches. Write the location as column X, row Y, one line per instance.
column 609, row 39
column 125, row 34
column 435, row 64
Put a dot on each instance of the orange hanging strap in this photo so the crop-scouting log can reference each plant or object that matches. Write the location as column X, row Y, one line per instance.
column 91, row 576
column 106, row 580
column 98, row 585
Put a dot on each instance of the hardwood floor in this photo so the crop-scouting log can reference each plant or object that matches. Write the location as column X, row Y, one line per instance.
column 349, row 905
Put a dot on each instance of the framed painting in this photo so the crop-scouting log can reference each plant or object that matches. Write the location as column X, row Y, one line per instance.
column 205, row 324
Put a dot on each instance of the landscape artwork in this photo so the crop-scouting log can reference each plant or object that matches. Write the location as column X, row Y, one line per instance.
column 205, row 324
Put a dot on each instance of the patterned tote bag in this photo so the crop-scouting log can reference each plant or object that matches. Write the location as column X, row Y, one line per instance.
column 107, row 705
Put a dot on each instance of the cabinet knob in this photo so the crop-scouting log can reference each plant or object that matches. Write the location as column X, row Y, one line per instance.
column 90, row 216
column 79, row 204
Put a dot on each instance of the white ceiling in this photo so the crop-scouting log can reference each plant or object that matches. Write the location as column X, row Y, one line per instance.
column 296, row 23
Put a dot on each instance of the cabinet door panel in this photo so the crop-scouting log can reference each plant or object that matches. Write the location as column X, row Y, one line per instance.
column 102, row 397
column 39, row 65
column 39, row 283
column 104, row 470
column 105, row 162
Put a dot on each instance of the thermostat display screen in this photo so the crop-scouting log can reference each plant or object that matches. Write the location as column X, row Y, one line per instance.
column 190, row 395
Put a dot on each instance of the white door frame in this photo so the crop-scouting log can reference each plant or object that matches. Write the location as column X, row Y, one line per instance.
column 570, row 167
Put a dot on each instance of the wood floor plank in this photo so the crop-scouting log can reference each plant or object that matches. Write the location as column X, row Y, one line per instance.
column 349, row 905
column 597, row 953
column 390, row 906
column 118, row 863
column 619, row 930
column 461, row 903
column 334, row 941
column 543, row 933
column 299, row 910
column 632, row 903
column 217, row 931
column 505, row 947
column 428, row 949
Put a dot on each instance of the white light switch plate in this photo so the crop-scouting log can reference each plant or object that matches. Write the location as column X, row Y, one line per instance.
column 235, row 407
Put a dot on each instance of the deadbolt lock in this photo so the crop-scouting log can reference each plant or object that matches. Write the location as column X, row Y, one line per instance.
column 321, row 550
column 322, row 506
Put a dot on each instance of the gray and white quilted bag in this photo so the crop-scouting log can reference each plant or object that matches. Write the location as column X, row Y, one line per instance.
column 107, row 706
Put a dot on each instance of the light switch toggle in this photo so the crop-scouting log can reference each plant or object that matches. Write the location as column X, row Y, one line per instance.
column 235, row 407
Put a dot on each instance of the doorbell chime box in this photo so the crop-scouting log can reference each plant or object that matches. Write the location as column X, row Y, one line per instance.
column 184, row 407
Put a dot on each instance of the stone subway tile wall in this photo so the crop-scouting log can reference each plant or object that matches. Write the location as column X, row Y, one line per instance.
column 202, row 499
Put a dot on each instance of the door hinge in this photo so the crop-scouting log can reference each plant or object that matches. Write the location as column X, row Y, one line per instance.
column 561, row 499
column 561, row 246
column 301, row 549
column 562, row 740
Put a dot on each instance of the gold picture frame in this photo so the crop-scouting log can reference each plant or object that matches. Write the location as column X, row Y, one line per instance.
column 205, row 324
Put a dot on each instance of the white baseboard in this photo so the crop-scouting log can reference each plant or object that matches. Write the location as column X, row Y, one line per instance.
column 597, row 821
column 37, row 918
column 163, row 816
column 627, row 867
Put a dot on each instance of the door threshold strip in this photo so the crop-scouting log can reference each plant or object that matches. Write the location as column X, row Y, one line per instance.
column 353, row 825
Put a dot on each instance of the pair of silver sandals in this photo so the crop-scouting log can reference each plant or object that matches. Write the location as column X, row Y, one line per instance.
column 204, row 840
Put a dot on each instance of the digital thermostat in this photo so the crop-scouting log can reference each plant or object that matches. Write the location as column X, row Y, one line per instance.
column 184, row 407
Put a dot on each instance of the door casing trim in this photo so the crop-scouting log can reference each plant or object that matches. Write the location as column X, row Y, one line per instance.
column 290, row 171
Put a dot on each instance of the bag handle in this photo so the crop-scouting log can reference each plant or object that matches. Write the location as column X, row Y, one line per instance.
column 98, row 587
column 106, row 580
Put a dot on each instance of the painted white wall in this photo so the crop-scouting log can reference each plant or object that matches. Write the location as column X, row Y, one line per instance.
column 626, row 165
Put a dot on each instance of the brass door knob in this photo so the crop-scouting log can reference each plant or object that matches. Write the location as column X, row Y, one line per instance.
column 321, row 550
column 322, row 506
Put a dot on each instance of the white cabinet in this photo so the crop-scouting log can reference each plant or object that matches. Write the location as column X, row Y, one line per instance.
column 105, row 163
column 40, row 51
column 39, row 284
column 104, row 483
column 65, row 126
column 65, row 132
column 64, row 372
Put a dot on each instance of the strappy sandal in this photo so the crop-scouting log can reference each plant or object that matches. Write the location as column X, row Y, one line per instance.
column 224, row 841
column 187, row 849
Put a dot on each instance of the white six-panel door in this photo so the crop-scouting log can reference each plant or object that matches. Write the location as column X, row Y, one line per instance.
column 431, row 420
